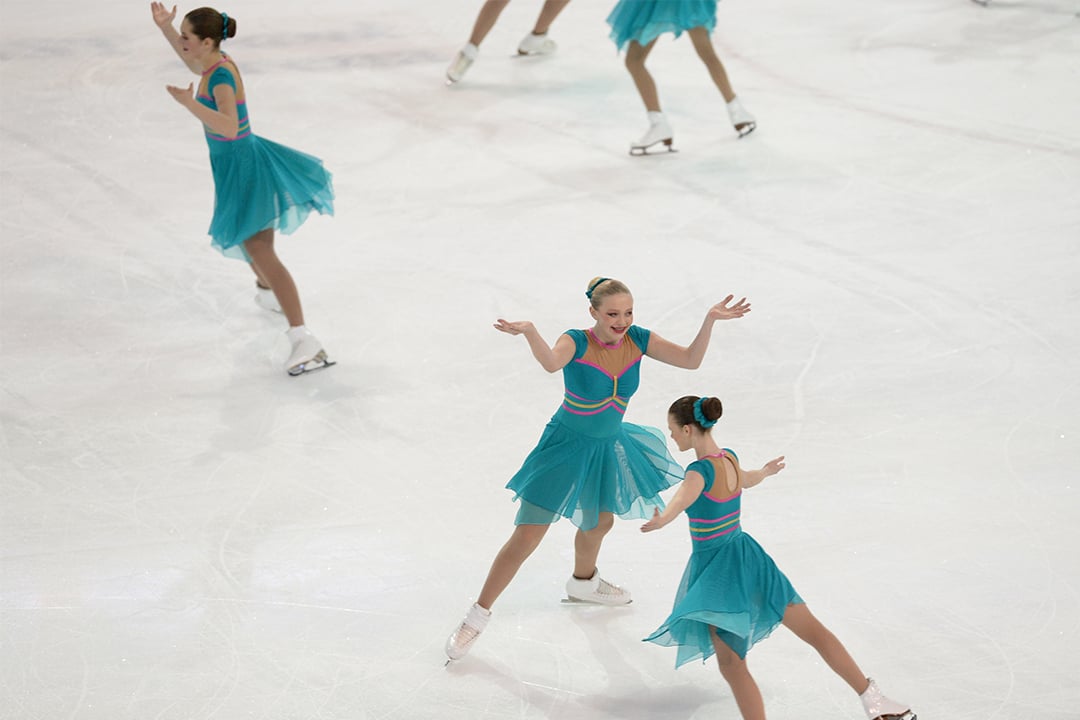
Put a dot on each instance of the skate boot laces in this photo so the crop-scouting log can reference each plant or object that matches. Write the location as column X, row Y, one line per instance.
column 879, row 707
column 461, row 63
column 596, row 590
column 462, row 639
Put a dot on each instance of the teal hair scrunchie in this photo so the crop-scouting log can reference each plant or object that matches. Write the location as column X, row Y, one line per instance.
column 224, row 26
column 703, row 421
column 589, row 292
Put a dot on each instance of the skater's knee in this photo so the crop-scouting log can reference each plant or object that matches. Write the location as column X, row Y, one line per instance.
column 604, row 523
column 526, row 538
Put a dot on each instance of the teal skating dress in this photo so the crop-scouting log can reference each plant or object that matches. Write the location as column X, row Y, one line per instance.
column 258, row 184
column 645, row 20
column 730, row 582
column 588, row 460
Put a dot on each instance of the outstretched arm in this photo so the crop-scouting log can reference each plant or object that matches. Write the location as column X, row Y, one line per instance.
column 685, row 496
column 163, row 18
column 551, row 358
column 690, row 357
column 750, row 478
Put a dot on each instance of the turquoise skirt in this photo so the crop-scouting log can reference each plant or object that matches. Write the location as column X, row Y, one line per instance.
column 643, row 21
column 261, row 185
column 573, row 475
column 734, row 587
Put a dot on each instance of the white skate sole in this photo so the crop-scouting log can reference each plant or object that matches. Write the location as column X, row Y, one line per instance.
column 318, row 362
column 652, row 149
column 578, row 601
column 745, row 129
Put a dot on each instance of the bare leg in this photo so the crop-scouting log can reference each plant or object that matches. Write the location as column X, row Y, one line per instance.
column 548, row 13
column 705, row 50
column 810, row 630
column 259, row 279
column 485, row 20
column 517, row 549
column 267, row 266
column 587, row 546
column 733, row 668
column 636, row 55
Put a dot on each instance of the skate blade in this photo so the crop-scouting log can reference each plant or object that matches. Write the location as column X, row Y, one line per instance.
column 576, row 601
column 318, row 362
column 746, row 129
column 902, row 716
column 637, row 150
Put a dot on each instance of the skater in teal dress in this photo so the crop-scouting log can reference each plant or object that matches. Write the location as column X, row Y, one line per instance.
column 637, row 24
column 732, row 595
column 259, row 186
column 590, row 464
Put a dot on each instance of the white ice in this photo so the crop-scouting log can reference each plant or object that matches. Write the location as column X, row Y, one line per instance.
column 187, row 533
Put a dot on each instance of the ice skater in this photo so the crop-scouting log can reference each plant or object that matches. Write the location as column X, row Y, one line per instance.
column 732, row 595
column 590, row 465
column 636, row 25
column 536, row 42
column 259, row 186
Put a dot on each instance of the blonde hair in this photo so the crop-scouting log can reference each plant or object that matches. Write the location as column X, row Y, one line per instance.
column 602, row 287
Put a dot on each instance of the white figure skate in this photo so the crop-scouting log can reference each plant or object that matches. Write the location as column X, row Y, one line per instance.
column 659, row 132
column 879, row 707
column 533, row 44
column 596, row 591
column 743, row 121
column 462, row 639
column 307, row 352
column 265, row 298
column 461, row 63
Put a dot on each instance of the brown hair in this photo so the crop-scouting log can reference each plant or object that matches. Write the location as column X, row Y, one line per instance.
column 209, row 23
column 602, row 287
column 683, row 410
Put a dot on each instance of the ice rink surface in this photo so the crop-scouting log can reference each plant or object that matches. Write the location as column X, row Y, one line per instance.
column 186, row 533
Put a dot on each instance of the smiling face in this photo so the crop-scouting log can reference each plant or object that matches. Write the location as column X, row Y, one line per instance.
column 613, row 317
column 679, row 433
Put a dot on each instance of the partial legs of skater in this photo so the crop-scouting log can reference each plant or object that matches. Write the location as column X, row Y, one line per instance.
column 587, row 546
column 548, row 13
column 699, row 36
column 522, row 543
column 509, row 560
column 636, row 55
column 809, row 629
column 259, row 279
column 485, row 20
column 269, row 268
column 491, row 10
column 743, row 687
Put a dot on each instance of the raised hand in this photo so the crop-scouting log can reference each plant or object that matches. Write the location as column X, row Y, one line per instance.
column 773, row 466
column 513, row 328
column 722, row 311
column 654, row 523
column 184, row 96
column 162, row 16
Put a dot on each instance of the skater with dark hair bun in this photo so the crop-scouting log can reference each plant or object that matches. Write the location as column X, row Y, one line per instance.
column 259, row 186
column 732, row 595
column 536, row 42
column 590, row 465
column 636, row 25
